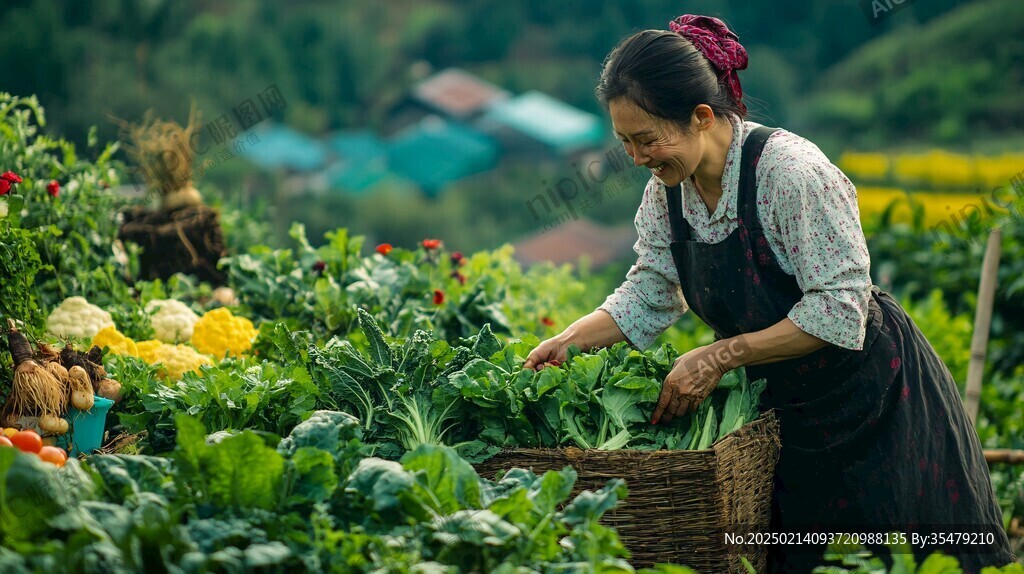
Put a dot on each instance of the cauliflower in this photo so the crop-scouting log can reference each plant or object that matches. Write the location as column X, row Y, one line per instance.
column 147, row 350
column 172, row 320
column 110, row 337
column 176, row 360
column 219, row 332
column 76, row 317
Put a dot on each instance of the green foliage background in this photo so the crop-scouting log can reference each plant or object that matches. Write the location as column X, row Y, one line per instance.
column 938, row 72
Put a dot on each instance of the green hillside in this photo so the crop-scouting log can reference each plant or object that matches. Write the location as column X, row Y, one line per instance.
column 952, row 83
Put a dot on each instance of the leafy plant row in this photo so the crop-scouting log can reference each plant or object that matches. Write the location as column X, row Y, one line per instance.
column 313, row 501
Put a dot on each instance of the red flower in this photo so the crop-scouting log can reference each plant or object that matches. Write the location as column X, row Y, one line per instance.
column 431, row 243
column 10, row 177
column 438, row 296
column 457, row 258
column 53, row 188
column 459, row 276
column 319, row 266
column 548, row 321
column 384, row 248
column 5, row 186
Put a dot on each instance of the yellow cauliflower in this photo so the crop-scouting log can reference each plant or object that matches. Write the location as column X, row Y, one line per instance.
column 172, row 320
column 147, row 350
column 220, row 332
column 176, row 360
column 76, row 317
column 110, row 337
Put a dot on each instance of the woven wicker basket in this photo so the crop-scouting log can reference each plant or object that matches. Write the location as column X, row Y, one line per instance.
column 681, row 503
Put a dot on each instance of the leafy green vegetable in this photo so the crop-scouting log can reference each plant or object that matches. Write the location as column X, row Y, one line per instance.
column 30, row 495
column 379, row 350
column 601, row 400
column 240, row 471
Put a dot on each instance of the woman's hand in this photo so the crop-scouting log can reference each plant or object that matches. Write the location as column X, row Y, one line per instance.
column 551, row 352
column 692, row 379
column 592, row 331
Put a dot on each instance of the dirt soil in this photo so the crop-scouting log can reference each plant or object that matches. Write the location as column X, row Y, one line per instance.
column 187, row 240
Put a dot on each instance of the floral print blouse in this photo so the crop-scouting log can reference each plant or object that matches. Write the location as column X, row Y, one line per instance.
column 809, row 212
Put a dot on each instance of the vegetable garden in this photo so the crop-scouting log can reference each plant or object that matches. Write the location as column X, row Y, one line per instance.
column 330, row 408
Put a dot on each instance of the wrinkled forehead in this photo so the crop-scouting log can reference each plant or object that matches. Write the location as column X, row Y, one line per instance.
column 629, row 119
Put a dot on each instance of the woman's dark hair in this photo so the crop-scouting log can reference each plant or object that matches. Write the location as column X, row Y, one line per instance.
column 665, row 75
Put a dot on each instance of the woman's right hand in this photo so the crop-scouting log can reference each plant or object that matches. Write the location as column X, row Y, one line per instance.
column 551, row 352
column 592, row 331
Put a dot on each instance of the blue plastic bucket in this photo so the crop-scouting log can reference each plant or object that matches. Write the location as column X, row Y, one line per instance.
column 87, row 427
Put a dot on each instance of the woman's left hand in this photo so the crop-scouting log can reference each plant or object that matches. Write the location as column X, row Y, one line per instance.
column 692, row 379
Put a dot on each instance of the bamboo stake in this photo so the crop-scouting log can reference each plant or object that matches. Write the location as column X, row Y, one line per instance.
column 982, row 323
column 1004, row 455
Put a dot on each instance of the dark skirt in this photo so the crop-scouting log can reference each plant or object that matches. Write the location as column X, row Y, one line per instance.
column 884, row 445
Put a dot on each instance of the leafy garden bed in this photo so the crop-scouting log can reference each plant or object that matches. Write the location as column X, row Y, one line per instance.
column 423, row 347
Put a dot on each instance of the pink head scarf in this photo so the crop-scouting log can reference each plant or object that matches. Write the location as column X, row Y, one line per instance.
column 720, row 46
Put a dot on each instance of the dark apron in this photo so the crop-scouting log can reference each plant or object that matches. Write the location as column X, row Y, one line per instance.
column 873, row 439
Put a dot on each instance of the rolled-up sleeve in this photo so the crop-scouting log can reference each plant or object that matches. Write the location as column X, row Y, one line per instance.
column 819, row 227
column 650, row 300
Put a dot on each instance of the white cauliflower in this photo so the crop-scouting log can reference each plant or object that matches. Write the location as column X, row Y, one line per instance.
column 76, row 317
column 172, row 320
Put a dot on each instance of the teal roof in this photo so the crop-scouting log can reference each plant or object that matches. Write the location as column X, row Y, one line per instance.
column 362, row 161
column 283, row 147
column 358, row 145
column 549, row 121
column 435, row 153
column 357, row 175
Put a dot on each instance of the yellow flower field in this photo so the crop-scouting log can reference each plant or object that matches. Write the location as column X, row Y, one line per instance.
column 938, row 207
column 936, row 169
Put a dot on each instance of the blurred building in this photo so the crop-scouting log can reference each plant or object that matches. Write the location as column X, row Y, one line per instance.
column 283, row 148
column 536, row 126
column 576, row 239
column 452, row 93
column 361, row 162
column 436, row 152
column 450, row 126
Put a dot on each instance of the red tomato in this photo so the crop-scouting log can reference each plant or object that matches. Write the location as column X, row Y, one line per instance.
column 27, row 441
column 53, row 455
column 4, row 441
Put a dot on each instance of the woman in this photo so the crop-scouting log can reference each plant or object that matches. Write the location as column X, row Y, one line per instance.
column 759, row 234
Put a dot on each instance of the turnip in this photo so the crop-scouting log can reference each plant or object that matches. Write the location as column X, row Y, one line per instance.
column 110, row 389
column 35, row 390
column 52, row 424
column 81, row 389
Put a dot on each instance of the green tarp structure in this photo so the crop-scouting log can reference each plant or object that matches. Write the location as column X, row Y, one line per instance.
column 436, row 152
column 362, row 162
column 554, row 123
column 282, row 147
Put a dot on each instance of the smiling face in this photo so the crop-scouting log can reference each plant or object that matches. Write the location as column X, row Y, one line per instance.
column 660, row 145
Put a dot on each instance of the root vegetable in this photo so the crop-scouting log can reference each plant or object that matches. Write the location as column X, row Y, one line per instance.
column 82, row 401
column 110, row 389
column 57, row 370
column 61, row 374
column 95, row 355
column 35, row 390
column 81, row 389
column 52, row 424
column 48, row 352
column 69, row 357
